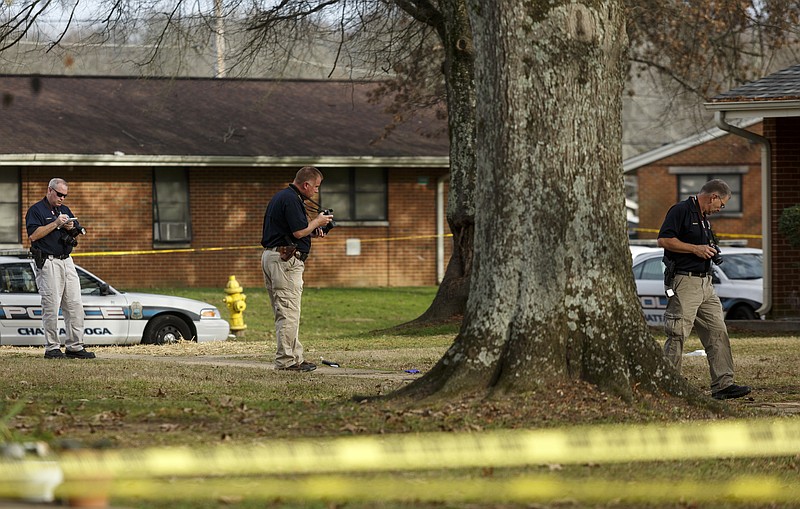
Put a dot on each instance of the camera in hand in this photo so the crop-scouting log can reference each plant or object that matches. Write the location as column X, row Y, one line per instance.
column 717, row 258
column 328, row 227
column 70, row 237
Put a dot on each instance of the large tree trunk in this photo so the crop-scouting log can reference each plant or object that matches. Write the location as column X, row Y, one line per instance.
column 456, row 34
column 451, row 297
column 551, row 297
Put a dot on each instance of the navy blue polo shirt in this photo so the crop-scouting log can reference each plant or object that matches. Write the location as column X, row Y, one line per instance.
column 685, row 223
column 41, row 214
column 285, row 215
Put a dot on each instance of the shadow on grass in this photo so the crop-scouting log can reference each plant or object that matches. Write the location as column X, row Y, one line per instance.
column 450, row 327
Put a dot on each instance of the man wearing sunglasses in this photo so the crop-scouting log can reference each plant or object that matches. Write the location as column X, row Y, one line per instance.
column 689, row 249
column 48, row 223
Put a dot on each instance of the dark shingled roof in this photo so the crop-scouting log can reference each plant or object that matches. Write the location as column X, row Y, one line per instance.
column 205, row 117
column 783, row 85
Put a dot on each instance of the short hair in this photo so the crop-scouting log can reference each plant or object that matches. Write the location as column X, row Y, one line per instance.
column 56, row 181
column 307, row 174
column 717, row 186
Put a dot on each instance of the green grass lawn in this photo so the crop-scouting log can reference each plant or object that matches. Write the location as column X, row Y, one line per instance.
column 225, row 393
column 329, row 314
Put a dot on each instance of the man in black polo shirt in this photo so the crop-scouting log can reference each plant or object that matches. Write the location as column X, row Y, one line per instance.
column 286, row 238
column 47, row 223
column 687, row 241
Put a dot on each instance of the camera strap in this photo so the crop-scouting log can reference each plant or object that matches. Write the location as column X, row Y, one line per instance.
column 303, row 199
column 705, row 225
column 708, row 236
column 319, row 207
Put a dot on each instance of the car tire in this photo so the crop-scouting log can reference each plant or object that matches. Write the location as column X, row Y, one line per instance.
column 742, row 312
column 165, row 329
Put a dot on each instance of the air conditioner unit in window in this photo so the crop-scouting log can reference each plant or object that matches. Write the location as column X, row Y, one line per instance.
column 173, row 231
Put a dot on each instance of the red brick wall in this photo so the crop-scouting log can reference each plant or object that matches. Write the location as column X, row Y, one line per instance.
column 227, row 209
column 658, row 189
column 785, row 136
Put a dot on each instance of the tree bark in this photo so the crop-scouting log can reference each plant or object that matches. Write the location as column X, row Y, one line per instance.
column 551, row 296
column 456, row 34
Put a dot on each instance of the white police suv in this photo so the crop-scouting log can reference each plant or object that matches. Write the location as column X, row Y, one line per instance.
column 738, row 282
column 111, row 317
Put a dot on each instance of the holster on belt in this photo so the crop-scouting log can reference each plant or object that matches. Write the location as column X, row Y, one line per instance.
column 287, row 252
column 669, row 271
column 38, row 257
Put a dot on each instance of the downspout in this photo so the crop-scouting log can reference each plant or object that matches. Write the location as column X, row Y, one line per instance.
column 440, row 227
column 766, row 204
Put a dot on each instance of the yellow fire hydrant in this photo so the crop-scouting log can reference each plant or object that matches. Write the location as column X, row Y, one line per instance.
column 236, row 305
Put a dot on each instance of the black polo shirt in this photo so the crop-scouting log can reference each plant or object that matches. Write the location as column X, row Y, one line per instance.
column 285, row 215
column 41, row 214
column 685, row 223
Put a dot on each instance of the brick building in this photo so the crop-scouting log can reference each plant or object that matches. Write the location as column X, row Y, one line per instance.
column 171, row 177
column 775, row 99
column 673, row 172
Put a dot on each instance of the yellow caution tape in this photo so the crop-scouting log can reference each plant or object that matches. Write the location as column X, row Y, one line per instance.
column 444, row 450
column 524, row 488
column 516, row 489
column 136, row 472
column 726, row 235
column 340, row 241
column 163, row 251
column 237, row 248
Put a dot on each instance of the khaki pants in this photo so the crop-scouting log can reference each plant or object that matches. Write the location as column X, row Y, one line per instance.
column 60, row 287
column 695, row 303
column 284, row 282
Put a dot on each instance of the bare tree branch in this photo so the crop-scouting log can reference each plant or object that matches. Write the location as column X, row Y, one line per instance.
column 271, row 17
column 26, row 16
column 66, row 27
column 422, row 11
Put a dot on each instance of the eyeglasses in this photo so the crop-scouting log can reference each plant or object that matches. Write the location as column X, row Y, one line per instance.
column 721, row 205
column 60, row 195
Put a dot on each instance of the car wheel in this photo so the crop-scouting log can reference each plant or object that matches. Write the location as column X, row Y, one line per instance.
column 165, row 329
column 741, row 312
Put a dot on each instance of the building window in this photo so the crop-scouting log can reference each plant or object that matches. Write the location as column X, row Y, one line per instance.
column 689, row 185
column 10, row 208
column 355, row 194
column 171, row 221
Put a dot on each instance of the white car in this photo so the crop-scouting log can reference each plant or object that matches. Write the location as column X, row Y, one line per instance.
column 738, row 282
column 111, row 317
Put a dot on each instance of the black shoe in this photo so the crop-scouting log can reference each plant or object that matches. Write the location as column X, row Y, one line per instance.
column 80, row 354
column 55, row 353
column 732, row 392
column 304, row 366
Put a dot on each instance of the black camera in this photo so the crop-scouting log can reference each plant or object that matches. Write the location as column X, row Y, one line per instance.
column 70, row 237
column 328, row 227
column 717, row 258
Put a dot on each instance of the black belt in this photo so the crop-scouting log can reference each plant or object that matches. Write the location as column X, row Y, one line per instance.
column 57, row 257
column 301, row 256
column 692, row 274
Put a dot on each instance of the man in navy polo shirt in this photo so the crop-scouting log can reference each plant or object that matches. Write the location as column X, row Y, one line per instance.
column 286, row 238
column 48, row 222
column 687, row 241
